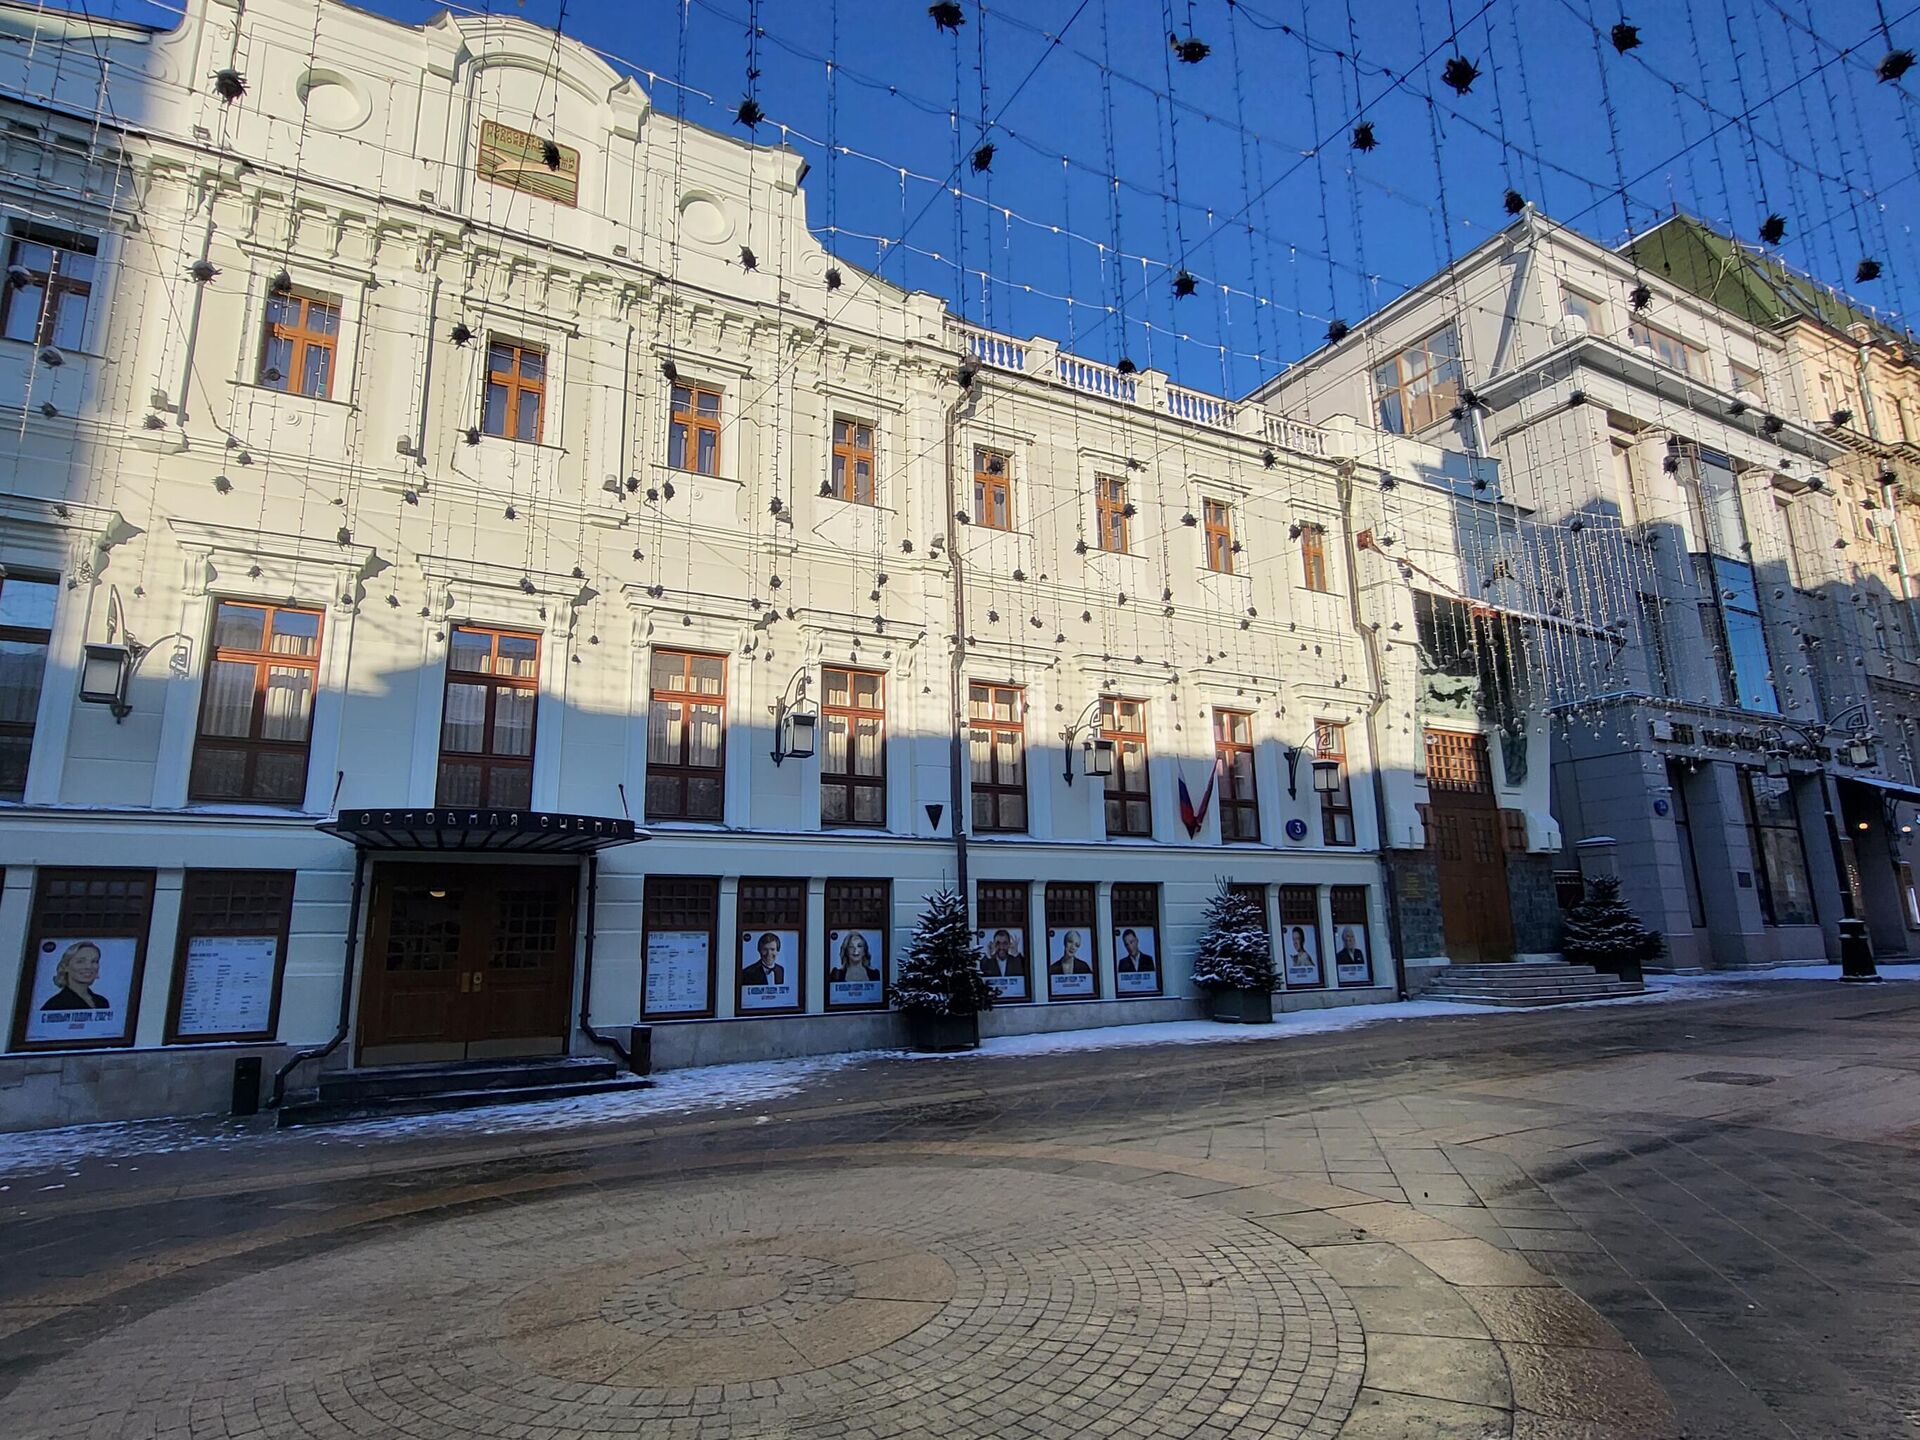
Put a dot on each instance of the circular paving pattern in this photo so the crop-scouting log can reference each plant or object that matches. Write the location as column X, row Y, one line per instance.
column 893, row 1300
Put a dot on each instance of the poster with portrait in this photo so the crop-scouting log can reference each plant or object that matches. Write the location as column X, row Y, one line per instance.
column 679, row 972
column 769, row 970
column 1351, row 962
column 1136, row 960
column 1003, row 960
column 1070, row 963
column 226, row 985
column 1300, row 954
column 856, row 968
column 82, row 990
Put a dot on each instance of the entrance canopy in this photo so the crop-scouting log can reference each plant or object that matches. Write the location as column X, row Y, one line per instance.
column 447, row 828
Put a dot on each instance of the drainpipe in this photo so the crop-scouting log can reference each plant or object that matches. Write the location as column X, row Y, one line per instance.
column 346, row 986
column 426, row 367
column 957, row 682
column 586, row 967
column 1375, row 682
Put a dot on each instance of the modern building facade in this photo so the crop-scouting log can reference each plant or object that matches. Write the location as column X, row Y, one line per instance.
column 1714, row 551
column 479, row 577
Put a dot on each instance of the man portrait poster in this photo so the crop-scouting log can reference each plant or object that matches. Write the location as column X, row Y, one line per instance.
column 1135, row 971
column 1350, row 959
column 1070, row 967
column 855, row 973
column 81, row 988
column 1302, row 954
column 769, row 970
column 1003, row 960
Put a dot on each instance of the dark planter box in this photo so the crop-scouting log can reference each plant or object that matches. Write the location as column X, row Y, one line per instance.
column 943, row 1032
column 1621, row 968
column 1240, row 1007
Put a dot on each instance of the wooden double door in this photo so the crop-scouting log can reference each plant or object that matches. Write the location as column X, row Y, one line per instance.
column 467, row 961
column 1465, row 838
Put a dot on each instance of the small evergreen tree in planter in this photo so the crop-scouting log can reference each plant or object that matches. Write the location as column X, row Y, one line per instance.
column 940, row 989
column 1235, row 961
column 1602, row 932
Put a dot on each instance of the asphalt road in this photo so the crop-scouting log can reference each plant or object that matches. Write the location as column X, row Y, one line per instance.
column 1343, row 1234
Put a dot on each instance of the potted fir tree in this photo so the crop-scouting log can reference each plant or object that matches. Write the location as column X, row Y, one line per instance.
column 939, row 988
column 1602, row 932
column 1235, row 962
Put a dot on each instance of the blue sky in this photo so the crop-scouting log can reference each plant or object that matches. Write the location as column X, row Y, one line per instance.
column 1248, row 177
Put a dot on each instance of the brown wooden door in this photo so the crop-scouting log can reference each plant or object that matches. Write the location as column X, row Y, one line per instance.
column 467, row 962
column 522, row 981
column 1463, row 834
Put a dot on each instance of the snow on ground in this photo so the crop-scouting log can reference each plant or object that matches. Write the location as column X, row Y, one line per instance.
column 730, row 1088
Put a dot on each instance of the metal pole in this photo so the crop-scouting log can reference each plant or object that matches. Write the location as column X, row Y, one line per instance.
column 957, row 681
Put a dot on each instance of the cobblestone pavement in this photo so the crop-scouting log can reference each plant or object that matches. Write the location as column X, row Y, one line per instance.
column 1693, row 1218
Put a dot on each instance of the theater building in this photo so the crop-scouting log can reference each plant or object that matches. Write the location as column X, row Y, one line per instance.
column 480, row 578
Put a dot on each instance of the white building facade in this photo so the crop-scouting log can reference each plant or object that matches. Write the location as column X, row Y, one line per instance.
column 480, row 577
column 1727, row 660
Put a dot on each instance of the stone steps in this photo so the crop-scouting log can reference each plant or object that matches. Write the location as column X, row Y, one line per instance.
column 1527, row 984
column 425, row 1089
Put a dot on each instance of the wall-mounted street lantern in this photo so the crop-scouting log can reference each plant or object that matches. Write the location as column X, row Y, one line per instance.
column 104, row 673
column 1326, row 773
column 794, row 727
column 1099, row 749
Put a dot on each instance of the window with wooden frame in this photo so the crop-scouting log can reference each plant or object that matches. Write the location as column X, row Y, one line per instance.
column 86, row 954
column 487, row 718
column 1258, row 895
column 1233, row 754
column 26, row 633
column 1001, row 911
column 522, row 161
column 1216, row 522
column 1111, row 513
column 298, row 344
column 1073, row 948
column 1336, row 805
column 1513, row 831
column 1129, row 804
column 693, row 430
column 1313, row 558
column 1352, row 945
column 1420, row 386
column 772, row 974
column 50, row 308
column 997, row 747
column 680, row 917
column 852, row 476
column 687, row 737
column 859, row 925
column 992, row 488
column 231, row 955
column 1300, row 956
column 516, row 399
column 256, row 705
column 1136, row 939
column 853, row 750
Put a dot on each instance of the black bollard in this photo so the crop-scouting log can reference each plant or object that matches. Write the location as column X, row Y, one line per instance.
column 1856, row 953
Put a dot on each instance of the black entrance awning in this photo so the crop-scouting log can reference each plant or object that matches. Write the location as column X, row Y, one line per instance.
column 446, row 828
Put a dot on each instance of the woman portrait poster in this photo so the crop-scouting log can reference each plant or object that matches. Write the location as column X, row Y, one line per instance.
column 856, row 968
column 1070, row 963
column 1301, row 954
column 81, row 988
